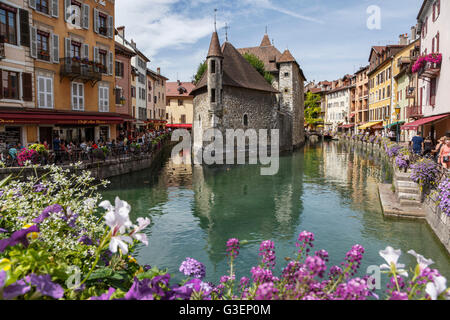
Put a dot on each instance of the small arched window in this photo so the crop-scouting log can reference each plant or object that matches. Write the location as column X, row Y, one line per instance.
column 245, row 120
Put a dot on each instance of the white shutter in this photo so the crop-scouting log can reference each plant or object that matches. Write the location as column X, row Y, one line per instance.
column 33, row 42
column 85, row 51
column 49, row 92
column 55, row 8
column 74, row 96
column 32, row 4
column 106, row 96
column 68, row 44
column 41, row 92
column 111, row 27
column 96, row 57
column 85, row 16
column 67, row 10
column 81, row 96
column 100, row 99
column 111, row 63
column 96, row 21
column 55, row 41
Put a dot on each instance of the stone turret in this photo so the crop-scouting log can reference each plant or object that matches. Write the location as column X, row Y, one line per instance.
column 291, row 81
column 215, row 81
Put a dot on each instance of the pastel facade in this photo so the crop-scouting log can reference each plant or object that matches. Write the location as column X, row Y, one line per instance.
column 156, row 98
column 179, row 104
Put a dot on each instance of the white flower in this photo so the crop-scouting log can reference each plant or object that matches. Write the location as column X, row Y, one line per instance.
column 142, row 224
column 117, row 217
column 90, row 203
column 421, row 260
column 391, row 256
column 120, row 241
column 436, row 288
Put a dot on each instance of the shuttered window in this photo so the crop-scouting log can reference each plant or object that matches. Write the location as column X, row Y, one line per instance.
column 10, row 85
column 103, row 99
column 45, row 92
column 77, row 96
column 24, row 28
column 27, row 87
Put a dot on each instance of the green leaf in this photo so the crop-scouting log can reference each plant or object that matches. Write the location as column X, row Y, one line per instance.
column 101, row 273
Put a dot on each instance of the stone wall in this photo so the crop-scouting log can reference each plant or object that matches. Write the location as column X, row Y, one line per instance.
column 437, row 220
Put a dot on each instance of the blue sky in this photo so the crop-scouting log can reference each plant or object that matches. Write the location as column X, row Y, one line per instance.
column 329, row 38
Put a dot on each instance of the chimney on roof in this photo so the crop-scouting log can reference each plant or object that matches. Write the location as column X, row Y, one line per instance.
column 133, row 44
column 403, row 39
column 413, row 33
column 158, row 70
column 179, row 82
column 121, row 31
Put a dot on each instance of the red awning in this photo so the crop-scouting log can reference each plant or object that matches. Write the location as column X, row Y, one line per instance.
column 58, row 118
column 416, row 124
column 182, row 126
column 347, row 126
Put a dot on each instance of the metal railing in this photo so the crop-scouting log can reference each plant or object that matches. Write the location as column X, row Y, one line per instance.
column 81, row 69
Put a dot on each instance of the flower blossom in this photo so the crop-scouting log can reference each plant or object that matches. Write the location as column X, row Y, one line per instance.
column 391, row 256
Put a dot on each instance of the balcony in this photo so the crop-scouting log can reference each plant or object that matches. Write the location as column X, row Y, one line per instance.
column 414, row 112
column 430, row 71
column 403, row 60
column 2, row 48
column 83, row 70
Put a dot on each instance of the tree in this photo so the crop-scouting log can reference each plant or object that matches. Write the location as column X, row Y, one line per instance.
column 313, row 109
column 259, row 66
column 200, row 71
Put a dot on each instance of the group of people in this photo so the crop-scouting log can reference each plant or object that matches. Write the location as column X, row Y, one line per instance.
column 73, row 151
column 440, row 152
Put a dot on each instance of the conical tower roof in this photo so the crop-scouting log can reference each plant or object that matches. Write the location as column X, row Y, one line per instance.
column 214, row 47
column 265, row 41
column 286, row 57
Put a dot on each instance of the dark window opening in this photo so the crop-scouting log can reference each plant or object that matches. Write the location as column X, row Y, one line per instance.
column 43, row 45
column 213, row 95
column 8, row 29
column 245, row 120
column 213, row 66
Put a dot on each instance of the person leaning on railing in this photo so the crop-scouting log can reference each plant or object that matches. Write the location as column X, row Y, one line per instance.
column 445, row 154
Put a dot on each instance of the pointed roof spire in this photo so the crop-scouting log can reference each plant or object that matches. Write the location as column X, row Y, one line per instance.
column 265, row 41
column 286, row 57
column 214, row 47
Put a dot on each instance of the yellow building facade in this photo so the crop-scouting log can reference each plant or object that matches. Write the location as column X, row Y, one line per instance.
column 71, row 47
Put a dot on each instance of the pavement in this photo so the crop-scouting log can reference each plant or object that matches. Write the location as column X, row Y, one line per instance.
column 392, row 208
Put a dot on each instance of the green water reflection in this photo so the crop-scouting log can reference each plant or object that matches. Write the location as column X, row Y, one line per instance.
column 329, row 189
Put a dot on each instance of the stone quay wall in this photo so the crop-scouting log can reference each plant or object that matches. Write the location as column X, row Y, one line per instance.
column 438, row 221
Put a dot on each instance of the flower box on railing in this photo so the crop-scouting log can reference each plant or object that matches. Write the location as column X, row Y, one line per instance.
column 428, row 66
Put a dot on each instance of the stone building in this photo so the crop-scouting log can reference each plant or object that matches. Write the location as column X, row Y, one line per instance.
column 233, row 95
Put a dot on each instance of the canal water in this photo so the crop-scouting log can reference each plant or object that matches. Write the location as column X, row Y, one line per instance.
column 327, row 188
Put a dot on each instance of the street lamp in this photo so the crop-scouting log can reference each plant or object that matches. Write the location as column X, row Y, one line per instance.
column 398, row 109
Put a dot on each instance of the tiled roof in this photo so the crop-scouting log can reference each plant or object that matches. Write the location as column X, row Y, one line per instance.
column 265, row 41
column 238, row 72
column 266, row 52
column 214, row 47
column 286, row 57
column 182, row 89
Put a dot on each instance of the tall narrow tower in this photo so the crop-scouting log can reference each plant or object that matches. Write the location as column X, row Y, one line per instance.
column 214, row 81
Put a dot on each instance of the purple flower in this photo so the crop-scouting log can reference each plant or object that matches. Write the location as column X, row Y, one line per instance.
column 54, row 208
column 316, row 265
column 444, row 196
column 38, row 188
column 105, row 296
column 3, row 230
column 18, row 288
column 261, row 275
column 192, row 268
column 267, row 291
column 399, row 296
column 305, row 241
column 17, row 237
column 2, row 278
column 353, row 258
column 84, row 239
column 267, row 251
column 233, row 248
column 195, row 285
column 140, row 290
column 45, row 286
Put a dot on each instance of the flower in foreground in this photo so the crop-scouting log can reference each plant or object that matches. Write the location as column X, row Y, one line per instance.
column 436, row 288
column 391, row 256
column 192, row 268
column 421, row 260
column 117, row 218
column 17, row 237
column 45, row 286
column 142, row 224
